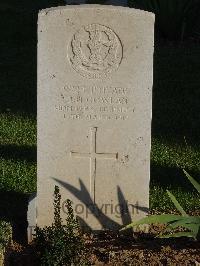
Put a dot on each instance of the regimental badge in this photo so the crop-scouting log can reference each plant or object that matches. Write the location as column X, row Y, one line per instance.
column 95, row 51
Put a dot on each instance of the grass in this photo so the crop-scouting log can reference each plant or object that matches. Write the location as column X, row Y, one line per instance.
column 175, row 125
column 167, row 161
column 18, row 153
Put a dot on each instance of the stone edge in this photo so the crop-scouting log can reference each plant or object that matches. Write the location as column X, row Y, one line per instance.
column 46, row 11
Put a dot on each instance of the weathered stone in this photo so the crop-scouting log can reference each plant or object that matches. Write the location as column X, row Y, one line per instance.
column 95, row 67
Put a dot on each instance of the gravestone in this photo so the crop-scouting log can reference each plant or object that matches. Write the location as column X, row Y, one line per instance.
column 95, row 67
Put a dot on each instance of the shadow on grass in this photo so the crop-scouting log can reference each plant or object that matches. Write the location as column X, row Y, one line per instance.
column 176, row 92
column 15, row 152
column 172, row 177
column 18, row 61
column 13, row 208
column 18, row 45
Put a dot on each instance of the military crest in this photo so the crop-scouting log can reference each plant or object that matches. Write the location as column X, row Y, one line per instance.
column 95, row 51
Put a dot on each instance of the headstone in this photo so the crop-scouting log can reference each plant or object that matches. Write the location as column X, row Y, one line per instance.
column 95, row 67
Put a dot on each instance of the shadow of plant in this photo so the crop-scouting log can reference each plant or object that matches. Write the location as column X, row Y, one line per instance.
column 106, row 222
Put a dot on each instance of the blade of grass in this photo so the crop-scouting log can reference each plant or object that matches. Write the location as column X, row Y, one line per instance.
column 176, row 203
column 192, row 181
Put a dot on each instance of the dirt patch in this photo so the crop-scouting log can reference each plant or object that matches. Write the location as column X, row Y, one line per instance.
column 117, row 250
column 113, row 249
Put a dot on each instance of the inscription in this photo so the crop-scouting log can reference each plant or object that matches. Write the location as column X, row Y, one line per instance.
column 95, row 51
column 94, row 103
column 95, row 117
column 94, row 89
column 90, row 100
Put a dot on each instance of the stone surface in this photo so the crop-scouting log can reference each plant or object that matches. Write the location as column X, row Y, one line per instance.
column 95, row 67
column 31, row 216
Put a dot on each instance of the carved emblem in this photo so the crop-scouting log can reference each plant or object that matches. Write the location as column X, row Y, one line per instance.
column 95, row 51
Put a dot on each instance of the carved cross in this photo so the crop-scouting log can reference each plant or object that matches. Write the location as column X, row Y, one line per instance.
column 93, row 155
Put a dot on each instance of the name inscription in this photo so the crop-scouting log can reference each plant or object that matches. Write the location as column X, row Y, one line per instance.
column 93, row 103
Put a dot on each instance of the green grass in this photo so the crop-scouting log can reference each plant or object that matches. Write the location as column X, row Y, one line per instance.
column 175, row 125
column 18, row 153
column 5, row 235
column 181, row 155
column 167, row 161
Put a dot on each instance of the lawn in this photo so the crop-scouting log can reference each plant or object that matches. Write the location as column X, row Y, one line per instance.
column 175, row 124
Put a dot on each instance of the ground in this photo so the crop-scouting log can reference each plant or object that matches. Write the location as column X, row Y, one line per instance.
column 112, row 249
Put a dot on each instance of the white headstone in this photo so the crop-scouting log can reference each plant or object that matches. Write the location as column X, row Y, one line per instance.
column 95, row 66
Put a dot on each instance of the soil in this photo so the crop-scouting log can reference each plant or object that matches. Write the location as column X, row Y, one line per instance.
column 112, row 249
column 145, row 250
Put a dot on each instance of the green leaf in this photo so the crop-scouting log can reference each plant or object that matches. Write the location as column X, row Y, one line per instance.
column 192, row 227
column 189, row 220
column 162, row 219
column 176, row 203
column 179, row 234
column 192, row 181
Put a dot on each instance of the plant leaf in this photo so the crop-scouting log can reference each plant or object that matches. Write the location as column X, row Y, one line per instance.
column 162, row 219
column 189, row 220
column 176, row 203
column 179, row 234
column 192, row 181
column 192, row 227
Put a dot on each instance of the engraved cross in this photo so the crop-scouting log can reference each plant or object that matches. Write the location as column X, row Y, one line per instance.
column 93, row 155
